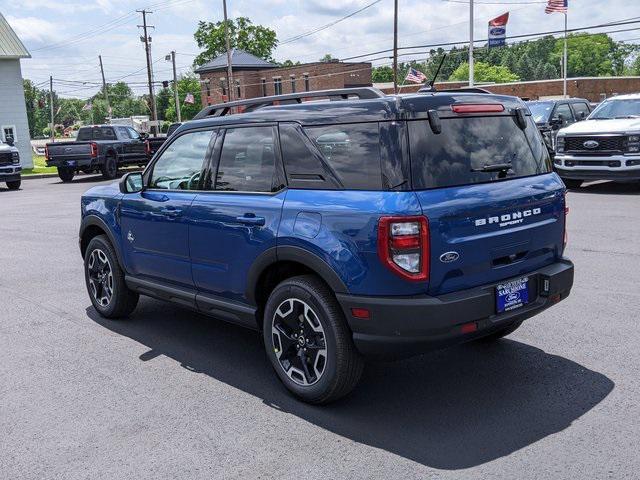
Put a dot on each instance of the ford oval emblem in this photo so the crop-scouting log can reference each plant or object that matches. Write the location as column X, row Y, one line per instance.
column 512, row 297
column 591, row 144
column 449, row 257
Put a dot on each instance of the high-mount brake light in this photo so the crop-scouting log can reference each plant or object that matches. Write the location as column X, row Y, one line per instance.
column 403, row 246
column 477, row 108
column 94, row 149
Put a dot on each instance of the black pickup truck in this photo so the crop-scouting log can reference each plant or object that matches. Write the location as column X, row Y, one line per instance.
column 156, row 142
column 101, row 148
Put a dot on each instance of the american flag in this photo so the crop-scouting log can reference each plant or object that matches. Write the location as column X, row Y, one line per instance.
column 557, row 6
column 415, row 76
column 189, row 98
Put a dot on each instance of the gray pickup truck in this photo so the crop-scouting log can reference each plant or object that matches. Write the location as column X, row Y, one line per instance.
column 102, row 148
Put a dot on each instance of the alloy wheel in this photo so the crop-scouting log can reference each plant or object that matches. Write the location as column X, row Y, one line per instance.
column 299, row 342
column 100, row 277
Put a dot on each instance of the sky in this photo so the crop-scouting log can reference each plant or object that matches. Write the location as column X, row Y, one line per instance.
column 65, row 37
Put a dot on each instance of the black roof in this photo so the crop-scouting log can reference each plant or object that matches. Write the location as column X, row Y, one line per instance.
column 380, row 107
column 240, row 60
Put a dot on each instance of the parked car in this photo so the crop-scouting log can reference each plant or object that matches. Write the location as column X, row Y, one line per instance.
column 552, row 115
column 154, row 143
column 10, row 167
column 604, row 147
column 103, row 148
column 371, row 226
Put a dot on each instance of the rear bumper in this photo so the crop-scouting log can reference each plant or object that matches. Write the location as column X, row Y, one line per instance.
column 75, row 163
column 406, row 326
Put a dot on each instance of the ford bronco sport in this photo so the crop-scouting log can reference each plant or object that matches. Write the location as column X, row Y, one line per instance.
column 364, row 226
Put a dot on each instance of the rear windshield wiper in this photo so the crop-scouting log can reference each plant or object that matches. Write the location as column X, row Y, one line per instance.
column 494, row 167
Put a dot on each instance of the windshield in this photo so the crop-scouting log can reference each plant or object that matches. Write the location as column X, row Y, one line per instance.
column 475, row 150
column 616, row 109
column 540, row 111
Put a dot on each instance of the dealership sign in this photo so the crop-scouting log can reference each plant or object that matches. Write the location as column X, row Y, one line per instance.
column 498, row 30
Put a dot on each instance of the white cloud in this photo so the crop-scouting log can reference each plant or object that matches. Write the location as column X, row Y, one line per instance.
column 33, row 28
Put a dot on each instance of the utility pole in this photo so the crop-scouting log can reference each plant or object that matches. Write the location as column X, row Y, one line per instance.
column 230, row 84
column 175, row 86
column 104, row 89
column 564, row 59
column 53, row 134
column 471, row 43
column 147, row 49
column 395, row 46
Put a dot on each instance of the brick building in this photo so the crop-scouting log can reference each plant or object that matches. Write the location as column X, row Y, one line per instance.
column 254, row 77
column 594, row 89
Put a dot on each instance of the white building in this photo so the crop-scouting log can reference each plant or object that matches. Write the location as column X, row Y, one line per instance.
column 13, row 110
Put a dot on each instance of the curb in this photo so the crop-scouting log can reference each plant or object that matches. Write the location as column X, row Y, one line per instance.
column 38, row 175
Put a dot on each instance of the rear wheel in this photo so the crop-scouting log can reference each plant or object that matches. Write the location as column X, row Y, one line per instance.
column 500, row 333
column 308, row 342
column 14, row 184
column 571, row 183
column 66, row 174
column 107, row 289
column 110, row 167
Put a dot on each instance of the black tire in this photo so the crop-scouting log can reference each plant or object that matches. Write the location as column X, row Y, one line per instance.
column 121, row 301
column 110, row 167
column 337, row 365
column 571, row 183
column 14, row 184
column 66, row 174
column 497, row 335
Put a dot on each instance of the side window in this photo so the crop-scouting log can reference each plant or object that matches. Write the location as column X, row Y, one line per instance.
column 179, row 166
column 564, row 110
column 353, row 153
column 581, row 110
column 304, row 165
column 104, row 133
column 84, row 134
column 248, row 161
column 122, row 132
column 133, row 133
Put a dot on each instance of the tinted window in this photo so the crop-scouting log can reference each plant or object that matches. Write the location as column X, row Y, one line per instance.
column 564, row 110
column 466, row 145
column 122, row 132
column 133, row 133
column 96, row 133
column 247, row 160
column 627, row 108
column 581, row 110
column 179, row 166
column 304, row 165
column 352, row 152
column 540, row 111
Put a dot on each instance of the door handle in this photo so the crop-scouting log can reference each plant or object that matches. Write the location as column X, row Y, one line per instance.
column 251, row 219
column 171, row 212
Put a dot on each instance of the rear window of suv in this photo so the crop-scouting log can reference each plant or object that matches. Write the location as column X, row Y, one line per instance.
column 466, row 145
column 96, row 133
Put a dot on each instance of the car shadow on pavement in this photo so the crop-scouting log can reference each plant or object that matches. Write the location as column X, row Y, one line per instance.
column 609, row 188
column 450, row 409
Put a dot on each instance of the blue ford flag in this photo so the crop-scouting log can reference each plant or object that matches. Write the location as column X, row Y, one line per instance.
column 498, row 30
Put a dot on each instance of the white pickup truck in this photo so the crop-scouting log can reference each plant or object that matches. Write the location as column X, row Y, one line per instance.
column 606, row 146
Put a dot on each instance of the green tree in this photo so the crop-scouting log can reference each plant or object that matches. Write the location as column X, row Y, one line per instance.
column 525, row 68
column 186, row 84
column 327, row 57
column 163, row 100
column 587, row 54
column 483, row 72
column 382, row 74
column 243, row 34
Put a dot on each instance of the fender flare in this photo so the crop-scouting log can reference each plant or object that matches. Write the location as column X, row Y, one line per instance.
column 293, row 254
column 94, row 220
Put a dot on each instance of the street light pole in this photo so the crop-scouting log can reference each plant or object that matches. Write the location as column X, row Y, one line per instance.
column 395, row 46
column 175, row 86
column 53, row 132
column 471, row 43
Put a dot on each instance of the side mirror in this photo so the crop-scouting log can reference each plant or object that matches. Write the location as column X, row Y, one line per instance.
column 131, row 183
column 556, row 123
column 582, row 115
column 144, row 135
column 9, row 141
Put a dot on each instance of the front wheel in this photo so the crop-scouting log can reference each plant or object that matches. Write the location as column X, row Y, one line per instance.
column 308, row 342
column 107, row 289
column 14, row 184
column 110, row 167
column 66, row 174
column 571, row 183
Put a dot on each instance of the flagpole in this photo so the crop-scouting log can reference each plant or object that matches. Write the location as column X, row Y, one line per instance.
column 564, row 60
column 471, row 43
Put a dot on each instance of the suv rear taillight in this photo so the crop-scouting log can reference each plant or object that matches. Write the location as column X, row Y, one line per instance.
column 94, row 149
column 403, row 246
column 46, row 152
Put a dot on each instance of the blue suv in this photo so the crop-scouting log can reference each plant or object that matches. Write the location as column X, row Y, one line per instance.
column 361, row 226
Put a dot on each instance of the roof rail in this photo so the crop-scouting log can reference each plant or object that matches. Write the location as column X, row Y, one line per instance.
column 461, row 89
column 222, row 109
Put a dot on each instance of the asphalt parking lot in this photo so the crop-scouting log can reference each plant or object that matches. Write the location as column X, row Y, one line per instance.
column 170, row 394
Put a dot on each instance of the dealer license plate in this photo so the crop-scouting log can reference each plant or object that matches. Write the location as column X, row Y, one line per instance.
column 512, row 295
